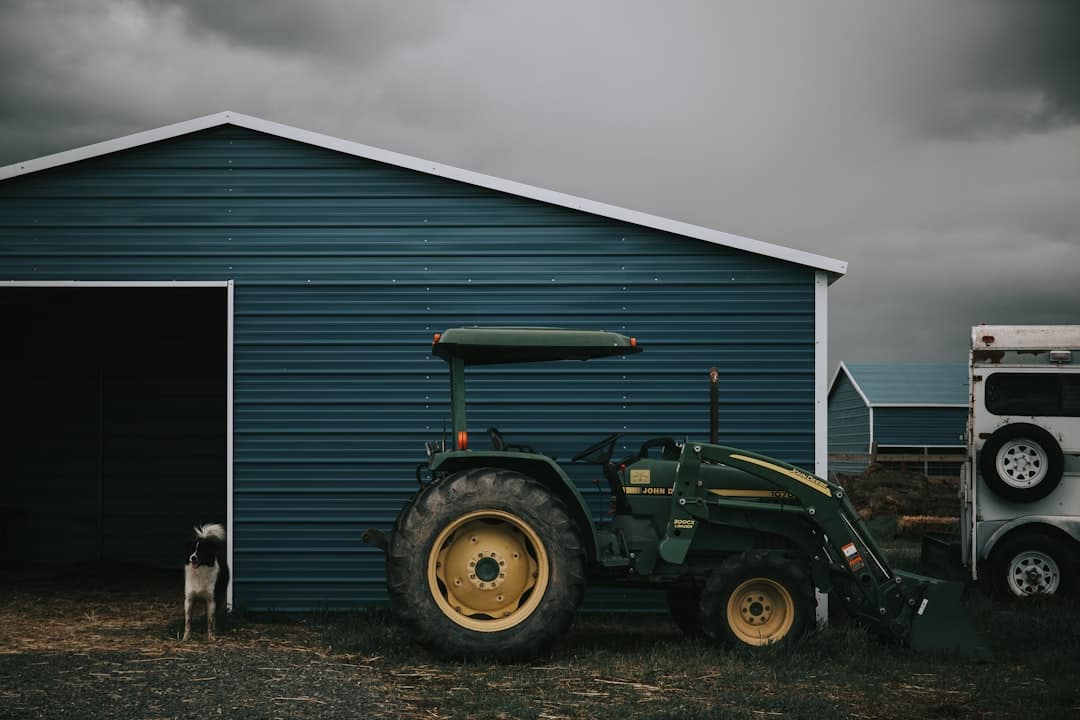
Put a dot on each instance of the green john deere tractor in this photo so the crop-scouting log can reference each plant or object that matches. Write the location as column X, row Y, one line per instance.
column 490, row 558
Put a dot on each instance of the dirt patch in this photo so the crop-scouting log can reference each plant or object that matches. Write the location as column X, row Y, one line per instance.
column 110, row 611
column 91, row 646
column 107, row 644
column 915, row 526
column 883, row 491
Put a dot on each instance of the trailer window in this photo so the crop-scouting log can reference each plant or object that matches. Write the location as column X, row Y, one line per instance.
column 1045, row 394
column 1070, row 395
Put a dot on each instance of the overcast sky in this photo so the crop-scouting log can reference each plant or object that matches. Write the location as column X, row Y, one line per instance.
column 935, row 146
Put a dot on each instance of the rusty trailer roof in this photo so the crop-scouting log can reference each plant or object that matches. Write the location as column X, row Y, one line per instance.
column 1025, row 337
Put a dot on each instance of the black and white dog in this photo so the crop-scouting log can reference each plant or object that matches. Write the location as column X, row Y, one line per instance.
column 206, row 576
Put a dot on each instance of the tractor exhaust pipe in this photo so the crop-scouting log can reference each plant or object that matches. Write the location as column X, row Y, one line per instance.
column 714, row 406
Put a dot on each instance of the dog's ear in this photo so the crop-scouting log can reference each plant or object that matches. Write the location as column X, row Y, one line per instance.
column 189, row 548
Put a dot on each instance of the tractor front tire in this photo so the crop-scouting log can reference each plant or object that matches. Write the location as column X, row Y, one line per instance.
column 757, row 598
column 486, row 563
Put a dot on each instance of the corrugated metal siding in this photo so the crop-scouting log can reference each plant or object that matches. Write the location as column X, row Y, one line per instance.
column 345, row 267
column 920, row 427
column 849, row 425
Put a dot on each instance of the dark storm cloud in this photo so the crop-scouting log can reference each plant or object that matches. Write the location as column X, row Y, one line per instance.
column 82, row 71
column 67, row 69
column 913, row 296
column 360, row 31
column 1020, row 74
column 935, row 146
column 34, row 86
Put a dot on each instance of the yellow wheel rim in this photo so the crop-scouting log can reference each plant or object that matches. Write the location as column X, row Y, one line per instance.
column 488, row 570
column 760, row 611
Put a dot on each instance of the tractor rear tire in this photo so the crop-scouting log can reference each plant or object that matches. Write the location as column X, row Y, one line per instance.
column 757, row 598
column 486, row 563
column 684, row 604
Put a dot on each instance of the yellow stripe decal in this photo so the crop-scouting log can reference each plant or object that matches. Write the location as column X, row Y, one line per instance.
column 808, row 480
column 732, row 492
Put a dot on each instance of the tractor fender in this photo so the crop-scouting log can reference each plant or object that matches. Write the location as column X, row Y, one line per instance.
column 539, row 467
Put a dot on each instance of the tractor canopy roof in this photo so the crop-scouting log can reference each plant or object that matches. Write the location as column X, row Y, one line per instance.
column 496, row 345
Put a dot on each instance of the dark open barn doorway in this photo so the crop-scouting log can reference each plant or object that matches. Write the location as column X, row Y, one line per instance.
column 113, row 427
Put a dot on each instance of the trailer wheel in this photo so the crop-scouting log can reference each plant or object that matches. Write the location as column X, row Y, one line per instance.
column 486, row 563
column 1022, row 463
column 757, row 598
column 1029, row 563
column 684, row 604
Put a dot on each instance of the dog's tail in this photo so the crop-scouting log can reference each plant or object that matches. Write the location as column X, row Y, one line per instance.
column 211, row 530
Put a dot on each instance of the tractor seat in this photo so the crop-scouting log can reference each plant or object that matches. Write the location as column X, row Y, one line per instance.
column 498, row 443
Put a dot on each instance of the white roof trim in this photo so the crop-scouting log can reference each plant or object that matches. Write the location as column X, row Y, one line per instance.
column 835, row 377
column 115, row 283
column 842, row 367
column 921, row 405
column 922, row 445
column 835, row 267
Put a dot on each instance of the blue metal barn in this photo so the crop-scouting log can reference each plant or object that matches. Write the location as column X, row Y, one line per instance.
column 231, row 319
column 895, row 407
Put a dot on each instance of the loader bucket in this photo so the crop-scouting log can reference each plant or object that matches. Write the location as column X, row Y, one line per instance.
column 941, row 623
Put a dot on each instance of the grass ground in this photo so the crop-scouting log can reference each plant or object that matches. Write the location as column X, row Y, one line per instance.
column 640, row 667
column 101, row 649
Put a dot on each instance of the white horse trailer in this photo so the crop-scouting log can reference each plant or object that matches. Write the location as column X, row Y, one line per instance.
column 1020, row 497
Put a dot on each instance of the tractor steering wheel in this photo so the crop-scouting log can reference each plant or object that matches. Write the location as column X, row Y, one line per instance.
column 497, row 440
column 607, row 443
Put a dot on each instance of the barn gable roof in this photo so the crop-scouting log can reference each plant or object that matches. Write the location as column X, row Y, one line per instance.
column 907, row 384
column 834, row 268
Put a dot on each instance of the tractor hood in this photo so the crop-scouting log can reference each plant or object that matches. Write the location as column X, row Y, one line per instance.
column 497, row 345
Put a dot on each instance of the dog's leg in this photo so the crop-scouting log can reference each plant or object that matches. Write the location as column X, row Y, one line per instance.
column 189, row 603
column 211, row 613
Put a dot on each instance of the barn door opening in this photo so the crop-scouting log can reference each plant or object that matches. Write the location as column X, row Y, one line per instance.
column 114, row 421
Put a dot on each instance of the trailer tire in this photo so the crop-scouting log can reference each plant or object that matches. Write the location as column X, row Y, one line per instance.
column 1021, row 463
column 684, row 604
column 757, row 598
column 1029, row 563
column 486, row 563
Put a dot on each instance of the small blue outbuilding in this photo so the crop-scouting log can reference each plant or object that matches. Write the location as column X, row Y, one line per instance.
column 229, row 318
column 893, row 408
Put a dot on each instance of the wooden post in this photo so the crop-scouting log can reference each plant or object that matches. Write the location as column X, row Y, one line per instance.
column 714, row 406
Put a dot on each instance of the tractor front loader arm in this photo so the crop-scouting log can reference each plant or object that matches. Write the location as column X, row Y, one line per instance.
column 921, row 612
